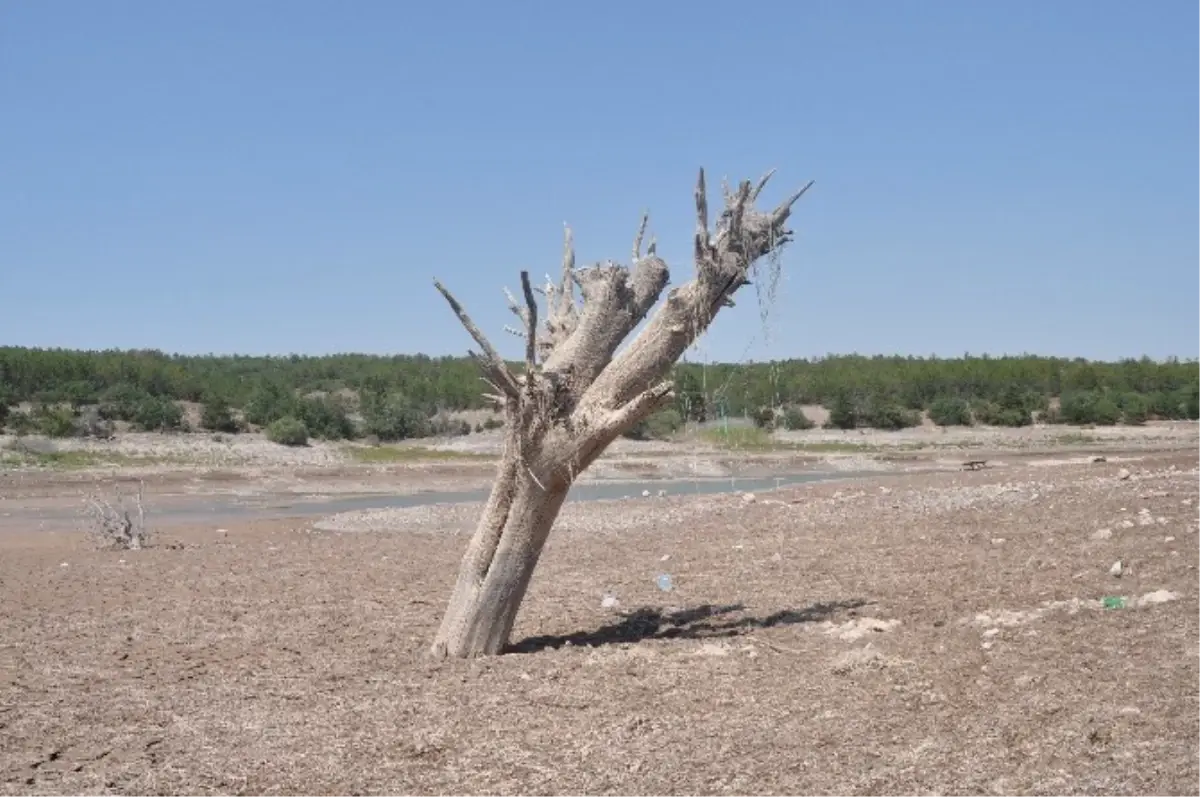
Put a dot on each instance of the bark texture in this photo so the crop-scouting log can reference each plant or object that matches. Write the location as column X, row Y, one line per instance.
column 577, row 394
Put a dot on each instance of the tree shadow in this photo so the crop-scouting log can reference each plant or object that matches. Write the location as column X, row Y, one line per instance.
column 695, row 623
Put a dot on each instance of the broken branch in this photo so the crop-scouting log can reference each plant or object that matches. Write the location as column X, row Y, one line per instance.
column 637, row 241
column 531, row 320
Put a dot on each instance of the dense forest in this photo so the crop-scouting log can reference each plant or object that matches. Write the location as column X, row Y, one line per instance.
column 340, row 396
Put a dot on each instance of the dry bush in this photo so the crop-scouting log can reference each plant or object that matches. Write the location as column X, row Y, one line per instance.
column 116, row 525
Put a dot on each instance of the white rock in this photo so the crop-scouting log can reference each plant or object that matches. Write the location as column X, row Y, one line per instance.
column 609, row 602
column 222, row 531
column 1126, row 524
column 776, row 557
column 998, row 540
column 1168, row 538
column 991, row 632
column 1102, row 534
column 1123, row 474
column 1162, row 521
column 645, row 493
column 1117, row 569
column 749, row 498
column 1158, row 596
column 64, row 564
column 662, row 493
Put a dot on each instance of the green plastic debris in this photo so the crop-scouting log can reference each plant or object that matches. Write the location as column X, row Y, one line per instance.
column 1113, row 602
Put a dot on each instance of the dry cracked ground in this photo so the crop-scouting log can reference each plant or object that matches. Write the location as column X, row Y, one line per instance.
column 950, row 632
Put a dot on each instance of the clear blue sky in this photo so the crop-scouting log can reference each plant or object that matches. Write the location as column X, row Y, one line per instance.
column 289, row 176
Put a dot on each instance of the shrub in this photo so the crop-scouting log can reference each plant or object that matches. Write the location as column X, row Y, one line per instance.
column 887, row 415
column 992, row 414
column 1192, row 407
column 1089, row 407
column 794, row 420
column 3, row 413
column 659, row 426
column 55, row 421
column 269, row 402
column 158, row 415
column 1105, row 412
column 121, row 402
column 493, row 423
column 21, row 423
column 325, row 418
column 764, row 418
column 950, row 411
column 842, row 413
column 288, row 431
column 443, row 426
column 1135, row 409
column 217, row 417
column 394, row 417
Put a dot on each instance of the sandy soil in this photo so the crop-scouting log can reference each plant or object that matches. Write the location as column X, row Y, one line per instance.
column 911, row 632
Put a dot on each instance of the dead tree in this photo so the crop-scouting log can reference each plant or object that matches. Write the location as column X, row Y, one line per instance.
column 576, row 395
column 115, row 524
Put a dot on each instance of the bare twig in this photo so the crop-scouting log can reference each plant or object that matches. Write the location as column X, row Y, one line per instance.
column 516, row 307
column 490, row 360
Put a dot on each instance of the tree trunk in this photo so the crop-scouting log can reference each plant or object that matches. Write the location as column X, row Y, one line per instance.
column 484, row 605
column 564, row 411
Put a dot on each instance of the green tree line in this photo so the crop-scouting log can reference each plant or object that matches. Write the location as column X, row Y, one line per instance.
column 396, row 396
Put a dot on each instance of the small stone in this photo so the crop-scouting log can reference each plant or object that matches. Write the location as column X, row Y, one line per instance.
column 998, row 540
column 777, row 557
column 1117, row 569
column 609, row 602
column 645, row 493
column 1123, row 474
column 712, row 649
column 1168, row 538
column 1186, row 502
column 991, row 632
column 1126, row 524
column 662, row 493
column 987, row 645
column 749, row 498
column 1102, row 534
column 1162, row 521
column 885, row 491
column 664, row 557
column 222, row 531
column 1145, row 520
column 64, row 564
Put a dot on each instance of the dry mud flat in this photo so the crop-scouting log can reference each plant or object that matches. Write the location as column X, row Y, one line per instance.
column 942, row 632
